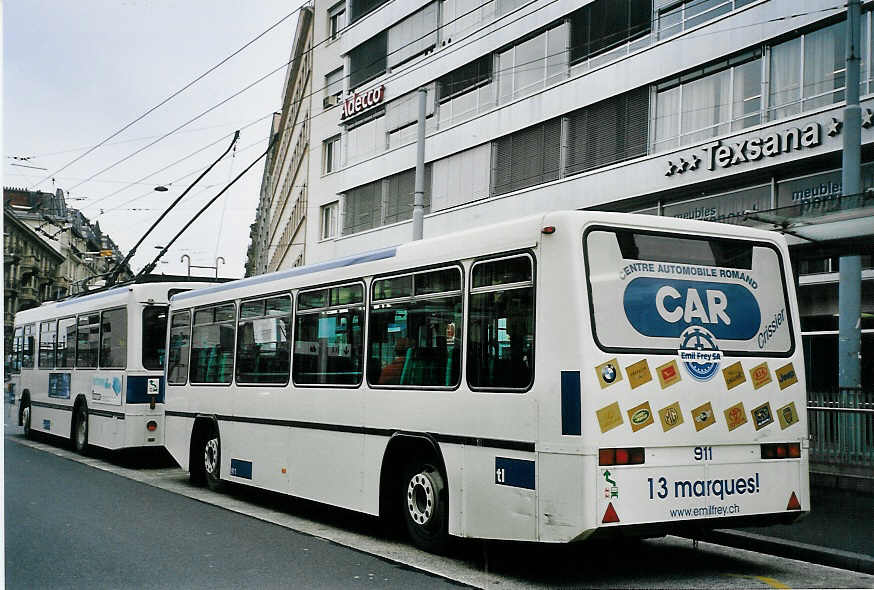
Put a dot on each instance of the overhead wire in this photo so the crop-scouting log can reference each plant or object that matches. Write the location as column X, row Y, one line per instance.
column 178, row 92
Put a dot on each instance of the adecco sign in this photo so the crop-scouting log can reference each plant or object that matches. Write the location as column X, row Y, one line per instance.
column 361, row 102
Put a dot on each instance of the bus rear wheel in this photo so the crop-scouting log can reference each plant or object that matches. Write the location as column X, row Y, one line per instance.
column 212, row 462
column 80, row 430
column 425, row 506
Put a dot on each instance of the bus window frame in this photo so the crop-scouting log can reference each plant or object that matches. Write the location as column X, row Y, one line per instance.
column 491, row 289
column 15, row 354
column 50, row 366
column 75, row 341
column 291, row 318
column 192, row 325
column 313, row 311
column 34, row 353
column 170, row 314
column 99, row 321
column 143, row 309
column 126, row 339
column 673, row 352
column 457, row 265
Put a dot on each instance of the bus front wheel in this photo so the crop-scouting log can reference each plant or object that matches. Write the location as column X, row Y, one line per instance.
column 212, row 462
column 425, row 506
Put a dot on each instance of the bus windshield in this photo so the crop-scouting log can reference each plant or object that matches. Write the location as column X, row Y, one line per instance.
column 679, row 290
column 154, row 332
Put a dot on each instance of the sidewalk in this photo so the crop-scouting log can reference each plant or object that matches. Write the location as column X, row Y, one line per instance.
column 839, row 531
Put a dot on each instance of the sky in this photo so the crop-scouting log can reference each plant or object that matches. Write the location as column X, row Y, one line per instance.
column 77, row 71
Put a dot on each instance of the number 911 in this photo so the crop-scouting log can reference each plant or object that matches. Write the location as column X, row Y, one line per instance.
column 703, row 453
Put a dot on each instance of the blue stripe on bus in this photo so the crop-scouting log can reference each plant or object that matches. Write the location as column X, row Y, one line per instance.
column 240, row 468
column 292, row 272
column 518, row 473
column 571, row 419
column 137, row 389
column 116, row 291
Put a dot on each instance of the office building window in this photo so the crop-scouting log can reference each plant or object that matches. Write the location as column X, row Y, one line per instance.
column 331, row 150
column 336, row 20
column 385, row 201
column 607, row 24
column 534, row 63
column 721, row 97
column 676, row 17
column 607, row 132
column 329, row 220
column 368, row 60
column 527, row 157
column 808, row 72
column 413, row 36
column 360, row 8
column 333, row 88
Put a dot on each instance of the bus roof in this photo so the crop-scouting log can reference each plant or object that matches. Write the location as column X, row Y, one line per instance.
column 515, row 234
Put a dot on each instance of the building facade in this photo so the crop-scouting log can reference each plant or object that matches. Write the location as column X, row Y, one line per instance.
column 50, row 251
column 278, row 236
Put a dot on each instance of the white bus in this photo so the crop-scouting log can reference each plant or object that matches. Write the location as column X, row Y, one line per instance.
column 547, row 379
column 91, row 367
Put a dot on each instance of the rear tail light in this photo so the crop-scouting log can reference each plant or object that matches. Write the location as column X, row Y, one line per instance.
column 624, row 456
column 781, row 451
column 151, row 426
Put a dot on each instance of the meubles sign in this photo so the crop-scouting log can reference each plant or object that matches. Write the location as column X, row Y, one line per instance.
column 360, row 102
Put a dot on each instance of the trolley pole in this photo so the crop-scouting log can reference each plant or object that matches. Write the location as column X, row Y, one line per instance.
column 850, row 286
column 419, row 197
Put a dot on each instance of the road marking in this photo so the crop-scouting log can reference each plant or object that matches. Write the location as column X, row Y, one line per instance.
column 769, row 581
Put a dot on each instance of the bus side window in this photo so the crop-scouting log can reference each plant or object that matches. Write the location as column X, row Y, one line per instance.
column 212, row 348
column 329, row 336
column 88, row 340
column 28, row 347
column 113, row 339
column 180, row 340
column 415, row 328
column 15, row 360
column 263, row 354
column 47, row 343
column 501, row 332
column 66, row 351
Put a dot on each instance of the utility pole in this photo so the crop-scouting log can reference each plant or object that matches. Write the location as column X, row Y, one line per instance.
column 419, row 197
column 850, row 286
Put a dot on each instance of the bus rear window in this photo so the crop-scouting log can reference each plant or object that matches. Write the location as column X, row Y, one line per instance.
column 661, row 292
column 154, row 333
column 685, row 250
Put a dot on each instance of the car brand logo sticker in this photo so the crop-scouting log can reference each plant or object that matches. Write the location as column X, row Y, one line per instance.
column 735, row 416
column 608, row 373
column 699, row 353
column 762, row 416
column 671, row 416
column 638, row 373
column 702, row 417
column 787, row 415
column 760, row 375
column 734, row 375
column 786, row 376
column 669, row 373
column 609, row 417
column 640, row 416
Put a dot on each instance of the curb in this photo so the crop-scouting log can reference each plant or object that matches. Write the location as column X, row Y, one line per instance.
column 792, row 549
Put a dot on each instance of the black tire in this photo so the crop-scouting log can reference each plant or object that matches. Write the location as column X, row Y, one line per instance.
column 80, row 430
column 211, row 459
column 26, row 418
column 423, row 494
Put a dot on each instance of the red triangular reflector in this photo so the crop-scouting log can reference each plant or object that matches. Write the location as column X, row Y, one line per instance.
column 794, row 504
column 610, row 514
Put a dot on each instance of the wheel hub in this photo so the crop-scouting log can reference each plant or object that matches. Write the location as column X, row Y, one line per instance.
column 210, row 455
column 420, row 498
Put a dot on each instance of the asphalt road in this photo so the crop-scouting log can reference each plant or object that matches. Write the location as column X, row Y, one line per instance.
column 121, row 521
column 71, row 526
